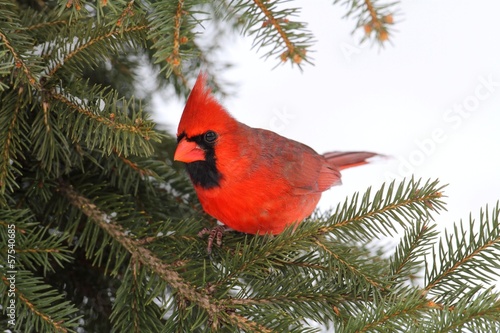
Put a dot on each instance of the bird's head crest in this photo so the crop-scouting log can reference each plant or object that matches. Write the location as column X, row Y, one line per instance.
column 203, row 112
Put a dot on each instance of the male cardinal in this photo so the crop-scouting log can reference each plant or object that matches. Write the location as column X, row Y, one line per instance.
column 251, row 179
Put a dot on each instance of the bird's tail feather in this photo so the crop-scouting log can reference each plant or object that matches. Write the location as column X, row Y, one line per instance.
column 348, row 159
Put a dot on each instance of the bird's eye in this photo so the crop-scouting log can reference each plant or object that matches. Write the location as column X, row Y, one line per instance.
column 210, row 137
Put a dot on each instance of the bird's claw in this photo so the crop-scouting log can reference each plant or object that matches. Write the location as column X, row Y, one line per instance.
column 215, row 233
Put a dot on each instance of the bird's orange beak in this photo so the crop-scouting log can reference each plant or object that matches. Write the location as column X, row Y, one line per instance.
column 188, row 152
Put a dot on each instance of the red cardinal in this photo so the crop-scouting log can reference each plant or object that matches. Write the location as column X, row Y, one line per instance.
column 251, row 179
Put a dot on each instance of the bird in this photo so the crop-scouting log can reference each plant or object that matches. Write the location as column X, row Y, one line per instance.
column 252, row 180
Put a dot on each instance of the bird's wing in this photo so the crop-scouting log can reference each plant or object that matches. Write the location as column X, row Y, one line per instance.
column 304, row 170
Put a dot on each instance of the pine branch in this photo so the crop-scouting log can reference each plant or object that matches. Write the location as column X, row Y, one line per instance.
column 41, row 25
column 475, row 311
column 396, row 312
column 127, row 173
column 126, row 14
column 150, row 260
column 274, row 29
column 13, row 139
column 130, row 302
column 102, row 39
column 370, row 217
column 373, row 17
column 172, row 34
column 13, row 42
column 125, row 131
column 6, row 57
column 38, row 305
column 175, row 59
column 465, row 262
column 362, row 273
column 51, row 148
column 410, row 254
column 39, row 250
column 136, row 167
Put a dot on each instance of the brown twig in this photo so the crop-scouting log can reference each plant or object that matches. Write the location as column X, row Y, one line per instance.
column 127, row 11
column 7, row 144
column 292, row 52
column 91, row 42
column 147, row 258
column 45, row 317
column 104, row 120
column 19, row 62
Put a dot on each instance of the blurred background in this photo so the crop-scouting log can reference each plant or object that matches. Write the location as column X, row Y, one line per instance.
column 429, row 99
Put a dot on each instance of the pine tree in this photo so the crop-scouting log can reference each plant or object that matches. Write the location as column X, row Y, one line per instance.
column 99, row 229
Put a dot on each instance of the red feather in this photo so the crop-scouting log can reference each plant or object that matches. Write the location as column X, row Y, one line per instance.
column 265, row 181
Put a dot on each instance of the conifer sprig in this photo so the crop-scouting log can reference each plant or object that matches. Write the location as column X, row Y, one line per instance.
column 147, row 258
column 374, row 216
column 409, row 256
column 23, row 65
column 466, row 258
column 121, row 128
column 82, row 53
column 13, row 138
column 39, row 306
column 275, row 29
column 475, row 310
column 374, row 17
column 173, row 39
column 132, row 310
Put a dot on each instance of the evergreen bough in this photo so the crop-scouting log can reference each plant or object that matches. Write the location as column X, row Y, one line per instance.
column 99, row 228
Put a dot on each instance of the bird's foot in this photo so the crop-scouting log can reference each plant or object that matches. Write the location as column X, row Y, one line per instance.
column 215, row 233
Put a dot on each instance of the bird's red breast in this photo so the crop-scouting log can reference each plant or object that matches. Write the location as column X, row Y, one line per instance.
column 252, row 180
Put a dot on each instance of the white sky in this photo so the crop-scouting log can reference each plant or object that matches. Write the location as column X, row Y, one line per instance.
column 401, row 100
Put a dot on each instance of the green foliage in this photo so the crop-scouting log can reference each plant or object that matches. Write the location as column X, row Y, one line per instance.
column 98, row 228
column 274, row 29
column 39, row 307
column 373, row 16
column 466, row 259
